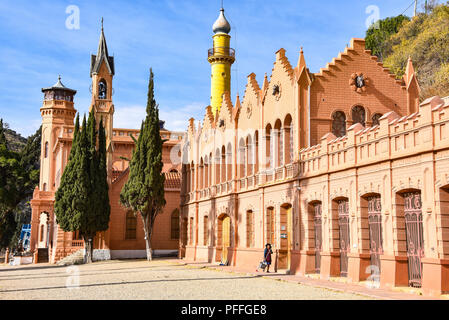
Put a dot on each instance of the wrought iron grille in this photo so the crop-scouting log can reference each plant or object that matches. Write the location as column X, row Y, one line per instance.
column 318, row 236
column 343, row 221
column 375, row 231
column 414, row 237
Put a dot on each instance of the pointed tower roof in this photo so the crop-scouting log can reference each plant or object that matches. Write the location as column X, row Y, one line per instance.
column 59, row 86
column 265, row 83
column 301, row 60
column 221, row 25
column 409, row 72
column 102, row 55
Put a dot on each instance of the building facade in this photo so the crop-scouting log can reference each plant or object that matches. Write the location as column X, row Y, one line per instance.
column 343, row 171
column 125, row 236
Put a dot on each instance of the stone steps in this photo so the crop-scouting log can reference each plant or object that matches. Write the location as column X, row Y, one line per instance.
column 74, row 258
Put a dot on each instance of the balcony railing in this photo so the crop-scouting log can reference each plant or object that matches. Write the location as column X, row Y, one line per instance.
column 221, row 51
column 78, row 243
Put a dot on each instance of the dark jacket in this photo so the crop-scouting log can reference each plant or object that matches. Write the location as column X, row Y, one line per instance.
column 267, row 255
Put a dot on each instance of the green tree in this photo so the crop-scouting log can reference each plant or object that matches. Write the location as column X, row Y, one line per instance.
column 143, row 193
column 380, row 31
column 30, row 162
column 12, row 177
column 425, row 39
column 12, row 180
column 82, row 200
column 8, row 228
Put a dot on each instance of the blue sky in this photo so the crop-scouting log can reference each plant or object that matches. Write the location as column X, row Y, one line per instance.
column 172, row 37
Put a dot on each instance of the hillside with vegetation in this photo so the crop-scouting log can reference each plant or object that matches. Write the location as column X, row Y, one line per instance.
column 14, row 140
column 424, row 38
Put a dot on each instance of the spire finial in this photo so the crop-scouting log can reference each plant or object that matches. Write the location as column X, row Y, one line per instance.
column 222, row 8
column 59, row 77
column 102, row 23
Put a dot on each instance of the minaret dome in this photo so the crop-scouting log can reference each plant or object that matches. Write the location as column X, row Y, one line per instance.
column 221, row 25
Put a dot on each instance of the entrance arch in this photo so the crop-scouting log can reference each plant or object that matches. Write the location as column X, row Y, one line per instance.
column 316, row 231
column 414, row 235
column 371, row 211
column 342, row 206
column 223, row 239
column 44, row 230
column 285, row 236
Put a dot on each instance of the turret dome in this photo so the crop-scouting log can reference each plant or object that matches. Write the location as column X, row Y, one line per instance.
column 221, row 25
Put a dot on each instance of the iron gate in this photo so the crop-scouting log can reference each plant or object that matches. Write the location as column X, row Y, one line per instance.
column 343, row 221
column 375, row 232
column 318, row 236
column 414, row 237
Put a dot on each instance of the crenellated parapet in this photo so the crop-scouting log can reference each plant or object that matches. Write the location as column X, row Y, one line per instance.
column 395, row 137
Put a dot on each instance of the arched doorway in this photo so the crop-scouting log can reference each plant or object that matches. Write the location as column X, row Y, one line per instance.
column 375, row 230
column 414, row 236
column 317, row 232
column 224, row 238
column 343, row 226
column 285, row 237
column 44, row 230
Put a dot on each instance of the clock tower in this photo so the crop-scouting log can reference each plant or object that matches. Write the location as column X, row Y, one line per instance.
column 102, row 73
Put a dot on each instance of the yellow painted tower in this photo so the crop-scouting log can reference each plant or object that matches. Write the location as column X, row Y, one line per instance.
column 221, row 57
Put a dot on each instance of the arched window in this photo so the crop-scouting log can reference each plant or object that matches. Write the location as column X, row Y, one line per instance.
column 102, row 90
column 279, row 143
column 242, row 159
column 249, row 156
column 174, row 225
column 375, row 119
column 229, row 162
column 217, row 166
column 46, row 150
column 339, row 124
column 131, row 226
column 206, row 172
column 288, row 140
column 201, row 175
column 223, row 164
column 268, row 147
column 358, row 115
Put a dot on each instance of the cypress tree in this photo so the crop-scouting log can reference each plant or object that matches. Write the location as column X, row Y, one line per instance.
column 144, row 191
column 82, row 200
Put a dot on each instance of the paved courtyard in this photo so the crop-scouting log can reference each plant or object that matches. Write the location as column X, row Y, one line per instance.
column 138, row 279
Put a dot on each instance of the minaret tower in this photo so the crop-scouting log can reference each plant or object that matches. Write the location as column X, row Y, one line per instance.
column 221, row 57
column 102, row 73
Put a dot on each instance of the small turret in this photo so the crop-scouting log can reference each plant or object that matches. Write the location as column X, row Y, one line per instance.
column 58, row 92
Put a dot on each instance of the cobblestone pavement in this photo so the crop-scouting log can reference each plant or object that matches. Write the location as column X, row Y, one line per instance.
column 139, row 279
